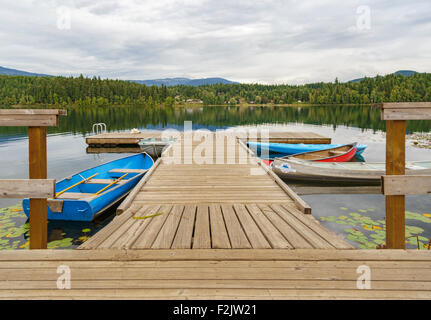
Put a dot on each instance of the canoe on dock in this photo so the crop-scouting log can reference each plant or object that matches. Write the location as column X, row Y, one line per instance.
column 361, row 172
column 86, row 194
column 338, row 154
column 287, row 149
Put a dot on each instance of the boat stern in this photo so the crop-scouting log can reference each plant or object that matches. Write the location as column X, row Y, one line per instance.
column 71, row 210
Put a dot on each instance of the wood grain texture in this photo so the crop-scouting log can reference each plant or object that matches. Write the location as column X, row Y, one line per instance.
column 30, row 117
column 395, row 165
column 38, row 170
column 406, row 111
column 147, row 238
column 184, row 235
column 400, row 185
column 406, row 105
column 202, row 237
column 30, row 112
column 27, row 188
column 215, row 274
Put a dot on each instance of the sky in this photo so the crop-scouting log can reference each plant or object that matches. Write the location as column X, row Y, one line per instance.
column 266, row 41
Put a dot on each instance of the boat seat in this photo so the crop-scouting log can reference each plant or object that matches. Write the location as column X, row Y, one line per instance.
column 307, row 156
column 128, row 170
column 74, row 195
column 105, row 181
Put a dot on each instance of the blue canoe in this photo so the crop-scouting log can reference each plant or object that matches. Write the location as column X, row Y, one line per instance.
column 294, row 148
column 82, row 203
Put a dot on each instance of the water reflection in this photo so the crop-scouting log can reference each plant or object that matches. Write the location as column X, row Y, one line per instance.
column 80, row 120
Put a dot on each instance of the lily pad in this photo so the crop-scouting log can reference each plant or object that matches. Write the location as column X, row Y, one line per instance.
column 417, row 216
column 367, row 233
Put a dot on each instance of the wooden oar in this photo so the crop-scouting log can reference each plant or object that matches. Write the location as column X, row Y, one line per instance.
column 82, row 181
column 113, row 182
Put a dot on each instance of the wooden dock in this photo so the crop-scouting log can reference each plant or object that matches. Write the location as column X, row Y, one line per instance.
column 127, row 138
column 237, row 203
column 214, row 223
column 215, row 274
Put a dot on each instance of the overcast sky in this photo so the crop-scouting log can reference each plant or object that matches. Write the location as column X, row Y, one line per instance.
column 280, row 41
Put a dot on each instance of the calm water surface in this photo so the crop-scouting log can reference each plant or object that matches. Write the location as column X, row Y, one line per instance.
column 357, row 218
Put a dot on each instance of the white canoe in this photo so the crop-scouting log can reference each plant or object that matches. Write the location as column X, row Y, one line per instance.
column 154, row 147
column 365, row 172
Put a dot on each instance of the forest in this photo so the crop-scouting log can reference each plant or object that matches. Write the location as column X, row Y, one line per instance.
column 84, row 92
column 78, row 91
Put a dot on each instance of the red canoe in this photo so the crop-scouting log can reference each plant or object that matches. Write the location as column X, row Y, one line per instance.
column 267, row 162
column 343, row 153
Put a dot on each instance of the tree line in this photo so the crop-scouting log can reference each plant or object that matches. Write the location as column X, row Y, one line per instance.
column 83, row 91
column 390, row 88
column 78, row 91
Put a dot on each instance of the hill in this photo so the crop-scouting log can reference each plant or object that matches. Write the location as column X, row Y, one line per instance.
column 14, row 72
column 406, row 73
column 169, row 82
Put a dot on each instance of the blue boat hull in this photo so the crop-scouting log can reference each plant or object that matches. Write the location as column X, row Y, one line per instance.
column 287, row 149
column 89, row 207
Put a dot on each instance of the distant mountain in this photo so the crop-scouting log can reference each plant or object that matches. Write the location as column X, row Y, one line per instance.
column 156, row 82
column 405, row 73
column 184, row 81
column 14, row 72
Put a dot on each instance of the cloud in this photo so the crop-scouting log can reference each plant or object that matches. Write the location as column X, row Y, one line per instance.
column 269, row 41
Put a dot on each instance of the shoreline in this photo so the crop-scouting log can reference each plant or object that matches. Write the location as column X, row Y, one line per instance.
column 184, row 105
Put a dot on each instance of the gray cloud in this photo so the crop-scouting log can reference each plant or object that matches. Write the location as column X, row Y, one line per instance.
column 268, row 41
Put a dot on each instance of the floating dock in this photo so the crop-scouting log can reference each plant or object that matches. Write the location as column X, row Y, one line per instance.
column 127, row 138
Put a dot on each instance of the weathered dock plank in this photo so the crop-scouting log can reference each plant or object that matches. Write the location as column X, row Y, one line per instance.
column 215, row 274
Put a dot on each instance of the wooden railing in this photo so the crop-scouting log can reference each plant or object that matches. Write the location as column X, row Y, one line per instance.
column 38, row 188
column 395, row 184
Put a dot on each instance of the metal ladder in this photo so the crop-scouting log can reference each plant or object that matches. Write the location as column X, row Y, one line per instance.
column 99, row 128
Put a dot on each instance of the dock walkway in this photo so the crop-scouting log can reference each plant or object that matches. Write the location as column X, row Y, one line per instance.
column 233, row 202
column 215, row 274
column 227, row 230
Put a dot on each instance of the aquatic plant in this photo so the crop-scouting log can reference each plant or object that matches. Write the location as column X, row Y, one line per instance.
column 15, row 231
column 367, row 233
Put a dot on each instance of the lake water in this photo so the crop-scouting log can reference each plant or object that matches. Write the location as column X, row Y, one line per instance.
column 357, row 218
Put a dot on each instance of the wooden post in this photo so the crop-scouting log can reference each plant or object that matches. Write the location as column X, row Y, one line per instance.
column 38, row 170
column 395, row 165
column 396, row 115
column 36, row 120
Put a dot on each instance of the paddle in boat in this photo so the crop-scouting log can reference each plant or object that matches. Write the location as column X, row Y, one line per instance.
column 354, row 172
column 86, row 194
column 275, row 150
